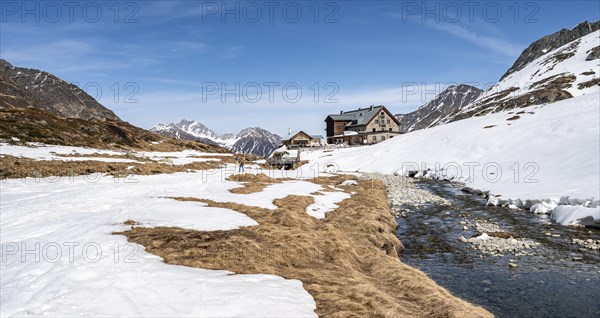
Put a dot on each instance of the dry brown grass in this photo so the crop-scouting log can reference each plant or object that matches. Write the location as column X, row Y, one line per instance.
column 13, row 167
column 36, row 125
column 249, row 177
column 248, row 188
column 252, row 183
column 130, row 222
column 100, row 155
column 348, row 261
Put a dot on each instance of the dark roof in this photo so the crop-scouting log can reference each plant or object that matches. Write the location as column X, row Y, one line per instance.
column 361, row 115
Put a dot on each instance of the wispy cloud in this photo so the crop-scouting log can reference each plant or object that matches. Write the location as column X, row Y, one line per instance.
column 487, row 35
column 492, row 43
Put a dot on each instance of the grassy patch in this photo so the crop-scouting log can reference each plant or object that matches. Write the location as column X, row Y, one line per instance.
column 13, row 167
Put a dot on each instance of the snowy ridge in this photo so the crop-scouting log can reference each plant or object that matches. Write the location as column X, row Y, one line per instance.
column 568, row 71
column 253, row 140
column 569, row 59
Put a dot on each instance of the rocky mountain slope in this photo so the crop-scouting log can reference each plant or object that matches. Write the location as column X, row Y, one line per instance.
column 24, row 87
column 23, row 125
column 568, row 71
column 550, row 43
column 36, row 106
column 252, row 140
column 556, row 67
column 443, row 106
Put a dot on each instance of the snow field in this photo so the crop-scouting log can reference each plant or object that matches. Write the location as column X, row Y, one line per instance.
column 60, row 258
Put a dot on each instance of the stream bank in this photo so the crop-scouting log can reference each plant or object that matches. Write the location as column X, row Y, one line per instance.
column 512, row 262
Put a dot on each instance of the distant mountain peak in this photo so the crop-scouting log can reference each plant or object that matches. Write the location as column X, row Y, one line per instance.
column 251, row 140
column 439, row 109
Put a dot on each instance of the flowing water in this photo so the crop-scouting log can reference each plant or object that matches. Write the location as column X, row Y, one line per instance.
column 560, row 279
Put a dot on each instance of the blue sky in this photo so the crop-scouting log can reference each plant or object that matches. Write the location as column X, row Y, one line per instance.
column 159, row 61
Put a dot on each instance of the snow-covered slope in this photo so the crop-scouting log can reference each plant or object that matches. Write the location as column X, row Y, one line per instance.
column 568, row 71
column 548, row 152
column 77, row 266
column 253, row 140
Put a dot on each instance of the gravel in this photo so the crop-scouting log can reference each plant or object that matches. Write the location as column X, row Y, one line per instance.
column 589, row 243
column 495, row 246
column 403, row 192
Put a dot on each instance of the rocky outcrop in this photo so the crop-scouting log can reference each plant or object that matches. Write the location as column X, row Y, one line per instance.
column 594, row 54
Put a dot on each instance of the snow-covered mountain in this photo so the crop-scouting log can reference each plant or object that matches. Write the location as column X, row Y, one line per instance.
column 556, row 67
column 253, row 140
column 568, row 71
column 550, row 43
column 447, row 103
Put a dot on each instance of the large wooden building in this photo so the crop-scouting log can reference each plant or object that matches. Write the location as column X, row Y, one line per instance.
column 362, row 126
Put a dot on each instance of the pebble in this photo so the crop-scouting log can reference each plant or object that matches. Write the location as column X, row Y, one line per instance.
column 589, row 243
column 512, row 265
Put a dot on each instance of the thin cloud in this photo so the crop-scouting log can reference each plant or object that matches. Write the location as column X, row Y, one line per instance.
column 494, row 44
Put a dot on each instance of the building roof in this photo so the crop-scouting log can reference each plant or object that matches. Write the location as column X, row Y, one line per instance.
column 294, row 133
column 362, row 116
column 290, row 135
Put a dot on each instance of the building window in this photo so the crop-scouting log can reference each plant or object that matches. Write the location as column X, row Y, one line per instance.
column 390, row 129
column 388, row 121
column 382, row 114
column 382, row 138
column 374, row 138
column 373, row 129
